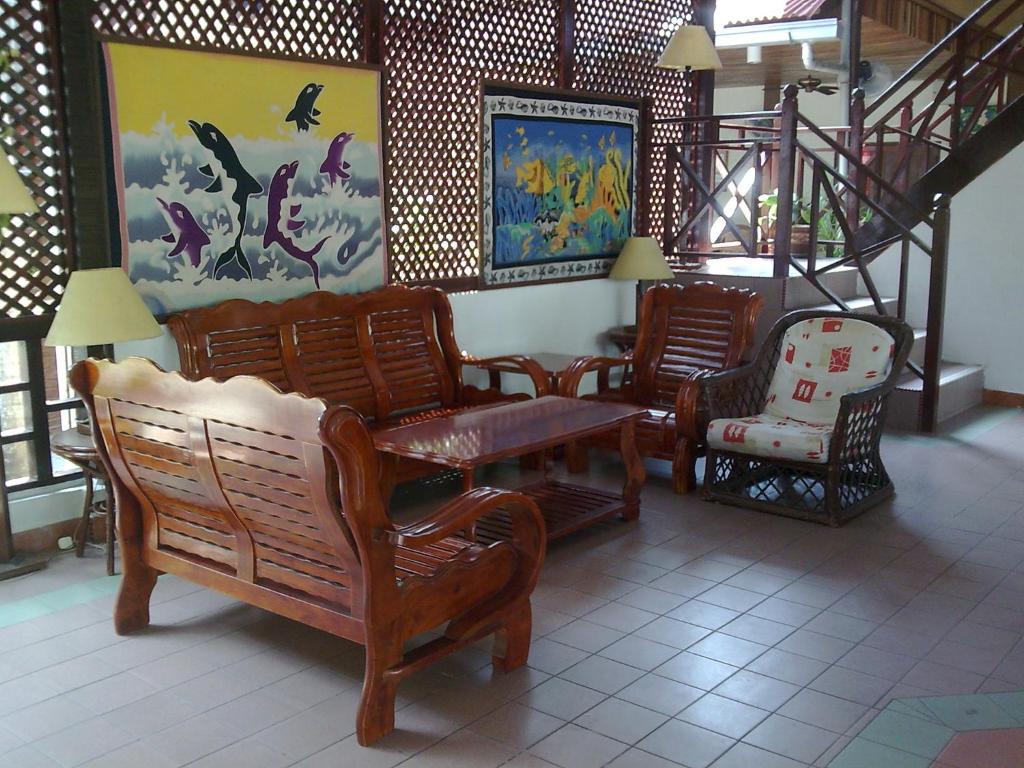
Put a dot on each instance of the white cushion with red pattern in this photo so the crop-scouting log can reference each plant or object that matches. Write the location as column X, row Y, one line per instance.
column 823, row 359
column 772, row 437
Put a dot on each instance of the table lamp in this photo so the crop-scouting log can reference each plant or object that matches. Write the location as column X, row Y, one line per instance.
column 641, row 259
column 690, row 49
column 99, row 307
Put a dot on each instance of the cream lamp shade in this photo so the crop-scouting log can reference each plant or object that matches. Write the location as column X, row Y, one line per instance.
column 691, row 49
column 14, row 197
column 641, row 259
column 100, row 306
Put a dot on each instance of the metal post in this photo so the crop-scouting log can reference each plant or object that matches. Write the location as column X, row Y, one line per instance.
column 936, row 313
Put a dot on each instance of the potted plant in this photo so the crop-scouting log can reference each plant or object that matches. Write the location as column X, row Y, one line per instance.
column 800, row 233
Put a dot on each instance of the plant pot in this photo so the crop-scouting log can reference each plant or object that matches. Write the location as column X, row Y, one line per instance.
column 800, row 240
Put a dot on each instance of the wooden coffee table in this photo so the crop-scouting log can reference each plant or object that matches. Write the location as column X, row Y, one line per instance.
column 480, row 436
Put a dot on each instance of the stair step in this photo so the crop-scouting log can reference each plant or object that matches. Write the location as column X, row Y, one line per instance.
column 860, row 304
column 960, row 388
column 917, row 351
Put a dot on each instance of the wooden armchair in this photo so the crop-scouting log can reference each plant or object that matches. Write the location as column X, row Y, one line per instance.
column 797, row 431
column 683, row 331
column 273, row 499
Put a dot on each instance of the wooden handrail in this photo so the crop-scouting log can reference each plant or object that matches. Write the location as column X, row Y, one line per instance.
column 940, row 47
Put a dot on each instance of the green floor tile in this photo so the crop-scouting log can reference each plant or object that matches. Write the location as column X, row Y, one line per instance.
column 908, row 733
column 970, row 713
column 76, row 594
column 912, row 708
column 915, row 708
column 22, row 610
column 861, row 753
column 1011, row 702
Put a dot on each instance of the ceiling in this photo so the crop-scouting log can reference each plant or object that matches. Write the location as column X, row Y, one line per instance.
column 783, row 63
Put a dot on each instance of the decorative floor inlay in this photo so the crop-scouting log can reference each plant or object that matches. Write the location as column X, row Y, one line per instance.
column 969, row 731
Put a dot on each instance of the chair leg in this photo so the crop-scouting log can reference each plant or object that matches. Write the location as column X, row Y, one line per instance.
column 131, row 611
column 576, row 459
column 82, row 531
column 684, row 467
column 512, row 641
column 376, row 716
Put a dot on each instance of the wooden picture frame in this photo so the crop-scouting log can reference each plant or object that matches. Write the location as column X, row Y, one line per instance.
column 316, row 214
column 563, row 215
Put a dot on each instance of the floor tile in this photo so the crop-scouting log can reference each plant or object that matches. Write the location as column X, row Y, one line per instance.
column 908, row 733
column 822, row 710
column 576, row 747
column 815, row 645
column 790, row 738
column 661, row 694
column 748, row 756
column 586, row 636
column 725, row 716
column 639, row 652
column 602, row 674
column 517, row 725
column 851, row 685
column 757, row 630
column 668, row 631
column 757, row 690
column 790, row 667
column 687, row 744
column 561, row 698
column 703, row 614
column 621, row 720
column 698, row 671
column 861, row 753
column 728, row 649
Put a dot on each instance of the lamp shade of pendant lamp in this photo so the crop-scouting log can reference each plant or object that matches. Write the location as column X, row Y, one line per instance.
column 690, row 49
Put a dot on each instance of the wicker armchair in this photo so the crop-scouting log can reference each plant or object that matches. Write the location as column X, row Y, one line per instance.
column 804, row 447
column 683, row 331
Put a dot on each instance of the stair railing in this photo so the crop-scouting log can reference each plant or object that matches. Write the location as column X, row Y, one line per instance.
column 972, row 76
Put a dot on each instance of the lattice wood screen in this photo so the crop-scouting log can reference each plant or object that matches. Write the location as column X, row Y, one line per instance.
column 326, row 29
column 435, row 53
column 618, row 43
column 33, row 251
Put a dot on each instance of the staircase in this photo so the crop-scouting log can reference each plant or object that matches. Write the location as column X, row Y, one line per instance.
column 871, row 194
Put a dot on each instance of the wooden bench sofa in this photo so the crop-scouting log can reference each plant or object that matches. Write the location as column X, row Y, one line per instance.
column 390, row 353
column 273, row 499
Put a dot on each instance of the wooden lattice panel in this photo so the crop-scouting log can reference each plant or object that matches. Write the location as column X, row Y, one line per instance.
column 436, row 52
column 323, row 29
column 617, row 44
column 33, row 250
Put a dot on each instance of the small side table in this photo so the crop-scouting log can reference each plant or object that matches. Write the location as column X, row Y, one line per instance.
column 553, row 363
column 77, row 448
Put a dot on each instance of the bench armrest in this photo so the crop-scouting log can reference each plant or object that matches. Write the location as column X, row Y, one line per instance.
column 574, row 374
column 518, row 363
column 460, row 514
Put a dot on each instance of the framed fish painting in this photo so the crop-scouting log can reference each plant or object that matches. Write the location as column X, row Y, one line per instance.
column 560, row 177
column 243, row 176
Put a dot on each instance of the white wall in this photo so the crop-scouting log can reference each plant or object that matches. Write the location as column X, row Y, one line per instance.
column 985, row 285
column 570, row 318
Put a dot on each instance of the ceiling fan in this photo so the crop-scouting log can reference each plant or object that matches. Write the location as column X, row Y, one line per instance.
column 812, row 84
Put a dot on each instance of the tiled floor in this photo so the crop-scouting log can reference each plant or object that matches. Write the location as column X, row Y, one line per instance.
column 702, row 635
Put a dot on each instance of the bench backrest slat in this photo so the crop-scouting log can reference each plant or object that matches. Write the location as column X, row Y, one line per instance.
column 382, row 352
column 231, row 475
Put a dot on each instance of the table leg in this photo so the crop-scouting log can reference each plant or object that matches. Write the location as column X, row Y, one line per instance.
column 111, row 521
column 635, row 472
column 82, row 531
column 388, row 476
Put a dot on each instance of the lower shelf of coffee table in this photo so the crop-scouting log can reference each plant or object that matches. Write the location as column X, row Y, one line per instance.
column 566, row 509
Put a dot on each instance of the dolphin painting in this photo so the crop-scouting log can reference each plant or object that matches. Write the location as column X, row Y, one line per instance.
column 188, row 236
column 275, row 217
column 231, row 172
column 333, row 165
column 304, row 113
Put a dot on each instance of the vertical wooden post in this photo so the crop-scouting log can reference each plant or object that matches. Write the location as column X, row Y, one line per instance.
column 902, row 180
column 566, row 43
column 853, row 27
column 373, row 31
column 787, row 180
column 855, row 143
column 646, row 141
column 705, row 84
column 668, row 217
column 936, row 315
column 92, row 239
column 901, row 295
